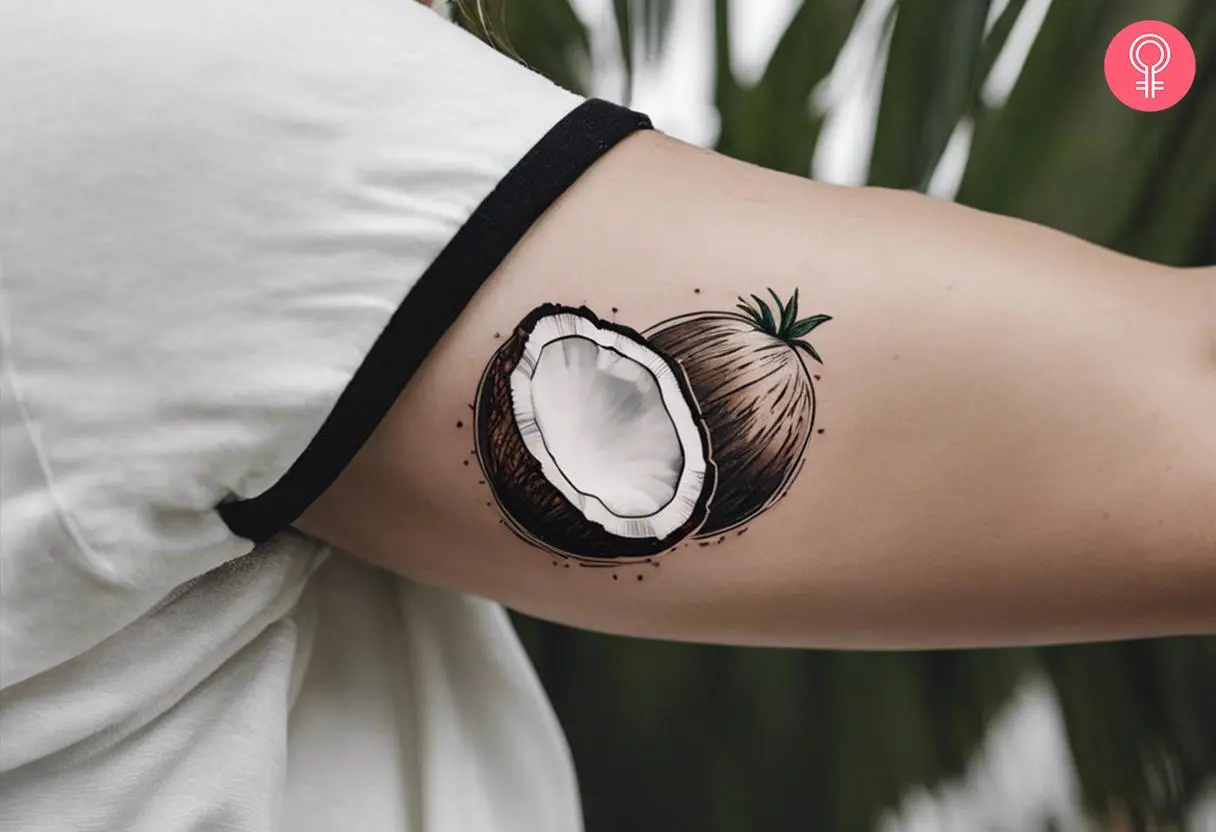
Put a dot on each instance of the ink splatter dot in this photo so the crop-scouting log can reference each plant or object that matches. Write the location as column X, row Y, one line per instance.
column 489, row 505
column 742, row 532
column 703, row 543
column 696, row 291
column 720, row 539
column 497, row 335
column 466, row 462
column 641, row 578
column 460, row 424
column 615, row 310
column 616, row 577
column 481, row 482
column 818, row 377
column 821, row 430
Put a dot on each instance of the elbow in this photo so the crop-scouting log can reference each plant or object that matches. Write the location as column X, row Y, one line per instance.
column 1207, row 279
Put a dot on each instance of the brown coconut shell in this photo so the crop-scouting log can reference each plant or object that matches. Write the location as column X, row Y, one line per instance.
column 536, row 510
column 758, row 401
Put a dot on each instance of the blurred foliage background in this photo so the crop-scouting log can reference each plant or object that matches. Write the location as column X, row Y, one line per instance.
column 712, row 739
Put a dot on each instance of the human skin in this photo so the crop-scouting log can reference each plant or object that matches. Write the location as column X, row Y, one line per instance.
column 1017, row 439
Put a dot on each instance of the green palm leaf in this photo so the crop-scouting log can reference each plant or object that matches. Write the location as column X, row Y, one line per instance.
column 933, row 72
column 642, row 29
column 771, row 123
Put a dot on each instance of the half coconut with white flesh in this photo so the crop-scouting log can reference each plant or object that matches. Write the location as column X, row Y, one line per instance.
column 591, row 439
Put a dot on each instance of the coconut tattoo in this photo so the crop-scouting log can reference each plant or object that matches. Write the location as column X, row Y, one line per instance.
column 603, row 443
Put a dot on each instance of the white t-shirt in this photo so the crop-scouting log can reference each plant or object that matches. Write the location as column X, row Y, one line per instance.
column 230, row 230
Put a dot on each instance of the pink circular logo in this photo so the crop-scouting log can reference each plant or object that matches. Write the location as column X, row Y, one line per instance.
column 1150, row 65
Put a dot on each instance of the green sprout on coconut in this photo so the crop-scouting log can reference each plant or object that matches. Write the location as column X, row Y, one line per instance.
column 786, row 325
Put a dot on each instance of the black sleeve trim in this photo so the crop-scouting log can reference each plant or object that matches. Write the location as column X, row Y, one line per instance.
column 440, row 295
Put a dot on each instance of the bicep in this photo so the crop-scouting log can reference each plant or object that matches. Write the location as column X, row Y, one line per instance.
column 970, row 430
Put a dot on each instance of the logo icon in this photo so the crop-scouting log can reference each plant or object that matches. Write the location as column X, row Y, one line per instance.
column 1150, row 66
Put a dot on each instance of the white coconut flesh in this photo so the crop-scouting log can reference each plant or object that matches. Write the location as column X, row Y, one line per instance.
column 607, row 420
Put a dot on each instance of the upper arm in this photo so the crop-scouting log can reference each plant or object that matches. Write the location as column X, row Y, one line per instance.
column 1004, row 440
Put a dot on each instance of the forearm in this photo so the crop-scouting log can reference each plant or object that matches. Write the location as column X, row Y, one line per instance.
column 1010, row 431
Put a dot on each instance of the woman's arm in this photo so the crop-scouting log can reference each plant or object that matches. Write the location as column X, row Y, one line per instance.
column 1009, row 439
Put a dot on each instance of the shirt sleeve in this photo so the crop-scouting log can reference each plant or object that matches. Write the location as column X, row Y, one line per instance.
column 230, row 232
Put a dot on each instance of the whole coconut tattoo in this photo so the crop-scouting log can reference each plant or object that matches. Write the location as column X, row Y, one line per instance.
column 602, row 443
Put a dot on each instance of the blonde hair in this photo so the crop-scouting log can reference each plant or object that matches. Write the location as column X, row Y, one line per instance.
column 477, row 17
